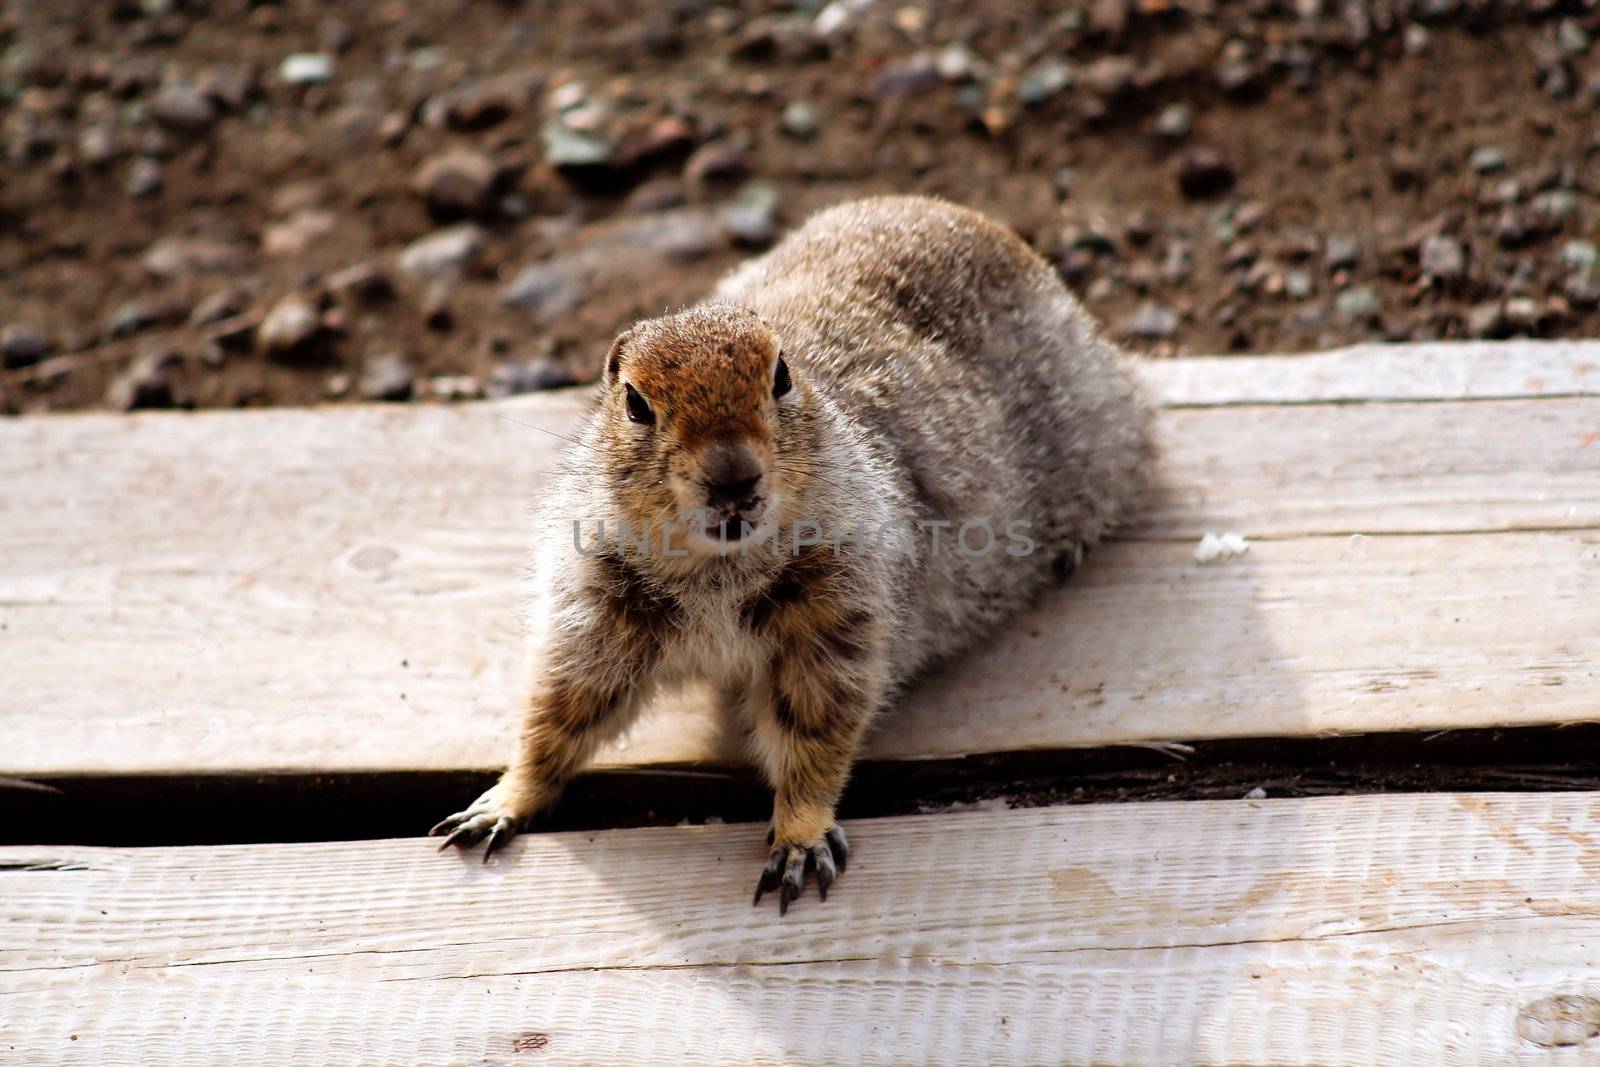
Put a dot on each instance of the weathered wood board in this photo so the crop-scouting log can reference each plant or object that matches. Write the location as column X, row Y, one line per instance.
column 1402, row 929
column 1442, row 370
column 327, row 590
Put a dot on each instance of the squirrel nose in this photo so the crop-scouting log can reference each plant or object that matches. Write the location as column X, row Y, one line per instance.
column 730, row 474
column 733, row 491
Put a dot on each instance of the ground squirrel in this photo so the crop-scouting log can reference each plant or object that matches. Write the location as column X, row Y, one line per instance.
column 868, row 448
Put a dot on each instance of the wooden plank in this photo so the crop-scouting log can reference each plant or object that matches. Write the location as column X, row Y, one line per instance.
column 321, row 590
column 1399, row 929
column 1390, row 468
column 1454, row 370
column 1301, row 637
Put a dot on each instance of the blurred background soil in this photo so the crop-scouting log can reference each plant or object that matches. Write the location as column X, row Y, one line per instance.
column 237, row 203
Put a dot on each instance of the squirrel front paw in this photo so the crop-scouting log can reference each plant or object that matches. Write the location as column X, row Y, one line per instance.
column 497, row 815
column 787, row 866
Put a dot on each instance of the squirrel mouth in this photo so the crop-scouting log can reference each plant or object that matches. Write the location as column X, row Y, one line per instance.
column 732, row 528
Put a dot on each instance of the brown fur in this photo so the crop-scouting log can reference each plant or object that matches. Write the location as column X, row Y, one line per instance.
column 939, row 371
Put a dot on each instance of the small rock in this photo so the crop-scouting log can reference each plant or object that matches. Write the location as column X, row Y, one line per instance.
column 451, row 387
column 752, row 219
column 365, row 282
column 1150, row 322
column 511, row 377
column 386, row 377
column 447, row 252
column 1556, row 206
column 289, row 326
column 99, row 147
column 906, row 77
column 657, row 194
column 574, row 149
column 668, row 136
column 1522, row 313
column 546, row 290
column 480, row 106
column 148, row 382
column 306, row 68
column 1250, row 216
column 1174, row 122
column 682, row 236
column 1556, row 81
column 1297, row 284
column 457, row 182
column 1239, row 76
column 181, row 106
column 1442, row 257
column 392, row 128
column 22, row 345
column 1512, row 230
column 1583, row 288
column 1202, row 173
column 297, row 234
column 130, row 318
column 1487, row 320
column 1109, row 17
column 229, row 87
column 1505, row 191
column 714, row 160
column 800, row 120
column 1489, row 159
column 222, row 304
column 1110, row 76
column 1583, row 255
column 1341, row 253
column 302, row 195
column 1045, row 80
column 1357, row 303
column 144, row 179
column 179, row 257
column 1408, row 168
column 1572, row 37
column 1179, row 262
column 436, row 305
column 955, row 63
column 1141, row 229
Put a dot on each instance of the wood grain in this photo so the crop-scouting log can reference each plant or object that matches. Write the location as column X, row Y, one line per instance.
column 1401, row 929
column 1453, row 370
column 335, row 589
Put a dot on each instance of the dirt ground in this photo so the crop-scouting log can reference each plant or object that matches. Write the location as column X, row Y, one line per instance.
column 242, row 203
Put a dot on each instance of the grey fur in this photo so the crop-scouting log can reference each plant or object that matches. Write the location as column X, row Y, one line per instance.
column 941, row 373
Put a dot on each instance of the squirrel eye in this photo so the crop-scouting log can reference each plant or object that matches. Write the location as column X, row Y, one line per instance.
column 780, row 379
column 638, row 410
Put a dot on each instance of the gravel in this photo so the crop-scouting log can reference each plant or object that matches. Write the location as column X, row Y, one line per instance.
column 443, row 253
column 306, row 68
column 22, row 345
column 459, row 181
column 1202, row 172
column 288, row 328
column 1150, row 322
column 386, row 377
column 1442, row 257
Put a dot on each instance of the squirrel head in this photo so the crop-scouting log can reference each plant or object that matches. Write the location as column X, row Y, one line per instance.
column 707, row 426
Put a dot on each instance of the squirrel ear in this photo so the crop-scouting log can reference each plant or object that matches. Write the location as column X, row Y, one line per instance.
column 614, row 357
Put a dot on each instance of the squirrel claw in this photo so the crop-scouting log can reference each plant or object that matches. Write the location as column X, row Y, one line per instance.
column 467, row 828
column 787, row 866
